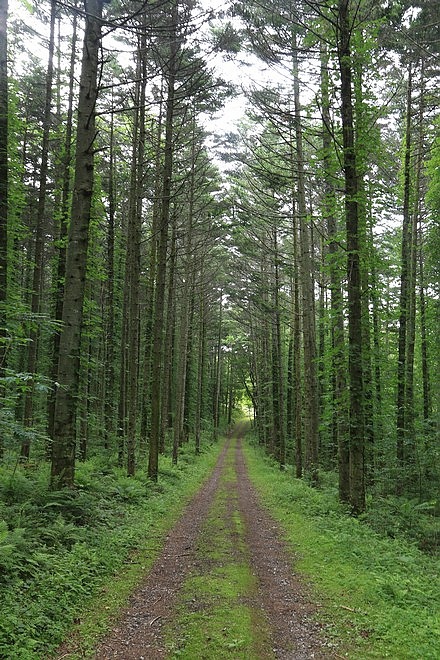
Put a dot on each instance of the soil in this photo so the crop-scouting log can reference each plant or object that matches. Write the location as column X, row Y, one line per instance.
column 281, row 597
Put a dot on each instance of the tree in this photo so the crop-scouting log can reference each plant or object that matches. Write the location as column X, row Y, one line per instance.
column 338, row 376
column 64, row 441
column 354, row 292
column 37, row 275
column 174, row 44
column 4, row 188
column 63, row 225
column 133, row 255
column 311, row 417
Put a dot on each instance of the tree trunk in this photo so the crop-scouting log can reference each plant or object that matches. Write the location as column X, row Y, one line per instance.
column 4, row 189
column 200, row 367
column 64, row 220
column 296, row 320
column 170, row 324
column 63, row 456
column 376, row 351
column 356, row 390
column 217, row 372
column 182, row 357
column 311, row 394
column 109, row 391
column 340, row 411
column 405, row 274
column 39, row 236
column 277, row 362
column 427, row 405
column 151, row 281
column 133, row 255
column 158, row 325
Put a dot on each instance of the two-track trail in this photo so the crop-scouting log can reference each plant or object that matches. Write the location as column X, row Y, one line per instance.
column 224, row 585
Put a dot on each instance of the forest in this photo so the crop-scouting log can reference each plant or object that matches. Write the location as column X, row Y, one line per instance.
column 168, row 268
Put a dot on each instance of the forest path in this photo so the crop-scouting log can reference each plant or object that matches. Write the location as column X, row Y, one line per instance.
column 224, row 586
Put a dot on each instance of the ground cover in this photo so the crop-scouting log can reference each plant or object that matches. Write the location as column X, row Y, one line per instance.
column 76, row 556
column 380, row 596
column 195, row 567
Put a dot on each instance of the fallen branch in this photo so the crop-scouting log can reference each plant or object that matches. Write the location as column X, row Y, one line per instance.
column 349, row 609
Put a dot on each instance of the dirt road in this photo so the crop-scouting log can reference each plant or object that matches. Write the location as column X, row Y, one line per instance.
column 224, row 585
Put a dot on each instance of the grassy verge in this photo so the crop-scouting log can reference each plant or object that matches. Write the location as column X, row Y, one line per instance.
column 380, row 596
column 75, row 557
column 215, row 617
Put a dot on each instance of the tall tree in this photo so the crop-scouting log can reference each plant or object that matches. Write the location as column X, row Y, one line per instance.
column 64, row 441
column 174, row 44
column 4, row 189
column 133, row 254
column 354, row 293
column 63, row 226
column 339, row 412
column 37, row 275
column 311, row 417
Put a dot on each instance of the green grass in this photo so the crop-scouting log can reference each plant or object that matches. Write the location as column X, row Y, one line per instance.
column 77, row 556
column 379, row 596
column 215, row 616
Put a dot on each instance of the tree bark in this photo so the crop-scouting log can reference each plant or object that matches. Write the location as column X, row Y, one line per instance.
column 4, row 192
column 405, row 273
column 158, row 325
column 63, row 456
column 356, row 389
column 64, row 219
column 311, row 394
column 39, row 237
column 340, row 411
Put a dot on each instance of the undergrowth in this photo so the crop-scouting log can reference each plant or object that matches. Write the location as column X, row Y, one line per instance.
column 380, row 595
column 58, row 550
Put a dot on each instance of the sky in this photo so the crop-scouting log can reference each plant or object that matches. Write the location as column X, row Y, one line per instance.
column 242, row 71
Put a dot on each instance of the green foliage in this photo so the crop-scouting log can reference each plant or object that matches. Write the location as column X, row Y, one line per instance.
column 381, row 595
column 226, row 39
column 409, row 519
column 57, row 549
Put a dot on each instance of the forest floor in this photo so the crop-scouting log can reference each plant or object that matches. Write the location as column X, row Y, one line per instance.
column 224, row 585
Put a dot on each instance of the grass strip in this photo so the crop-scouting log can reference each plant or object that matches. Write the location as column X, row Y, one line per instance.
column 216, row 616
column 380, row 597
